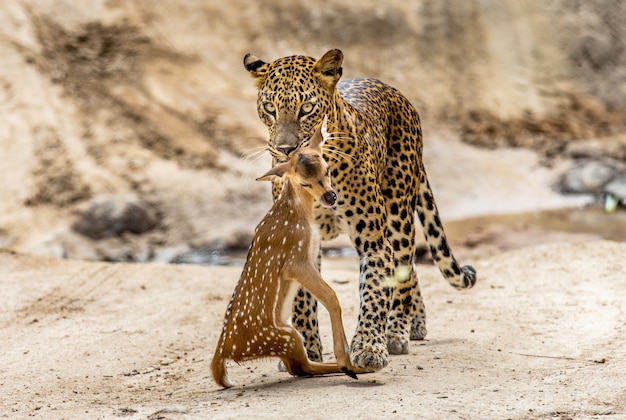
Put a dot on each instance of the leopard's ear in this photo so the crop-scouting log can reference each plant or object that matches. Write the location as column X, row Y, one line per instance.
column 328, row 69
column 256, row 67
column 276, row 172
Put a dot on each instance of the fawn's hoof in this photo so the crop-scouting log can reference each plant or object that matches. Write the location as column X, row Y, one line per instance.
column 349, row 372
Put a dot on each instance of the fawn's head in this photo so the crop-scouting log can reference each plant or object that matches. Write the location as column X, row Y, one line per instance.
column 307, row 169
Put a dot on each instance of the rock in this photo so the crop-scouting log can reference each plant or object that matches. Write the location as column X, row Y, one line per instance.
column 206, row 255
column 587, row 178
column 47, row 248
column 617, row 187
column 66, row 243
column 168, row 255
column 615, row 194
column 128, row 248
column 75, row 246
column 110, row 215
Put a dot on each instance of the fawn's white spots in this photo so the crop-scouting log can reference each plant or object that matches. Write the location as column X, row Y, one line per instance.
column 251, row 327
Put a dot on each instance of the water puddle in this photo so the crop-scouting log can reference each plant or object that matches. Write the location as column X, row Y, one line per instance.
column 588, row 220
column 520, row 229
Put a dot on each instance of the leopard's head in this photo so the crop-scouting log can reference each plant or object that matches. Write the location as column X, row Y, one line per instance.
column 295, row 93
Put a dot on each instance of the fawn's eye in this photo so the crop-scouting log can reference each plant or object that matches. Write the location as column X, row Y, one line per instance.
column 305, row 185
column 269, row 108
column 306, row 109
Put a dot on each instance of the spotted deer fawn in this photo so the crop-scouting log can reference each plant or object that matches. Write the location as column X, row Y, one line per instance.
column 280, row 260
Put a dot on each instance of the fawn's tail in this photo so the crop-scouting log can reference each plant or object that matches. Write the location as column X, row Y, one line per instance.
column 218, row 368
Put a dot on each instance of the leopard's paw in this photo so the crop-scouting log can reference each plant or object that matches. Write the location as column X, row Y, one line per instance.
column 418, row 328
column 369, row 354
column 397, row 344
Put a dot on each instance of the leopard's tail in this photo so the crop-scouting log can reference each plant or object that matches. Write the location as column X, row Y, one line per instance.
column 458, row 277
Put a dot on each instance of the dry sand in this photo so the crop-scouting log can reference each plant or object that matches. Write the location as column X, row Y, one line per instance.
column 542, row 335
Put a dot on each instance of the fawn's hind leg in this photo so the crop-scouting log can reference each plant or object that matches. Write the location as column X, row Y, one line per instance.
column 310, row 278
column 296, row 361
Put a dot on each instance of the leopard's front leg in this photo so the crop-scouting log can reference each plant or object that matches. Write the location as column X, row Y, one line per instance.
column 369, row 344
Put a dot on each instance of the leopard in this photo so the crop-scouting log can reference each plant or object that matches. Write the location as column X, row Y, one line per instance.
column 374, row 149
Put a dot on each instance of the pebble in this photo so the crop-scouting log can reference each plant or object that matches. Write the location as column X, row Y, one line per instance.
column 588, row 177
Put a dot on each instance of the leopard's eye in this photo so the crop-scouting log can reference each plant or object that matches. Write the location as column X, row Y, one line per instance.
column 269, row 108
column 306, row 108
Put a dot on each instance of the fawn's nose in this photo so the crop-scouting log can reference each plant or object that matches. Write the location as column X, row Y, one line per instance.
column 286, row 149
column 328, row 199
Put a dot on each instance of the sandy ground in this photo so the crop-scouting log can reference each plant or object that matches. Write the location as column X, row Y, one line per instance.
column 542, row 335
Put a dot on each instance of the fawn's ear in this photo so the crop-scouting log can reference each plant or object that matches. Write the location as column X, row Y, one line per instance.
column 257, row 68
column 328, row 69
column 275, row 173
column 320, row 135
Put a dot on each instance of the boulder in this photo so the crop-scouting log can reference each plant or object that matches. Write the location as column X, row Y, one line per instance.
column 110, row 215
column 587, row 178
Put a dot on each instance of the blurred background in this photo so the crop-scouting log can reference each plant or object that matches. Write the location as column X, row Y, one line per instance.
column 128, row 129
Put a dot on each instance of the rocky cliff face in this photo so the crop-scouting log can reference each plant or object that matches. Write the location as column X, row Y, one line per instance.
column 151, row 98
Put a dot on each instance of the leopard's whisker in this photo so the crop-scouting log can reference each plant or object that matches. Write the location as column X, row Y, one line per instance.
column 332, row 125
column 275, row 153
column 339, row 136
column 345, row 133
column 344, row 154
column 333, row 157
column 336, row 153
column 254, row 154
column 332, row 137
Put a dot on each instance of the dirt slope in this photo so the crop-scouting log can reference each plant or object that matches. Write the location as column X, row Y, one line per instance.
column 541, row 336
column 151, row 98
